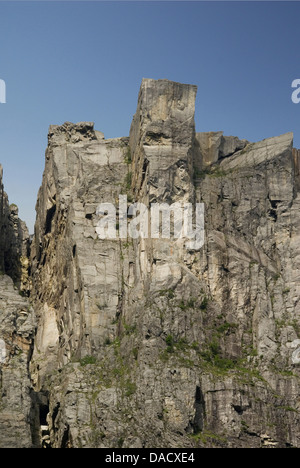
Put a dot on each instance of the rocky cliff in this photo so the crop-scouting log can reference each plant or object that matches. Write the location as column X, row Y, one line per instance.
column 14, row 242
column 17, row 328
column 147, row 342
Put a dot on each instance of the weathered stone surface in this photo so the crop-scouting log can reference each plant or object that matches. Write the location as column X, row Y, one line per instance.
column 157, row 345
column 146, row 343
column 213, row 146
column 17, row 328
column 14, row 241
column 78, row 306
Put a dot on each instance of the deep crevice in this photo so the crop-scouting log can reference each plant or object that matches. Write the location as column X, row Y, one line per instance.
column 198, row 422
column 66, row 442
column 49, row 219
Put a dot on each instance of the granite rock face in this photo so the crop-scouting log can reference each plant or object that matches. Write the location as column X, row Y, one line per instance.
column 214, row 146
column 81, row 300
column 158, row 345
column 147, row 342
column 17, row 328
column 14, row 241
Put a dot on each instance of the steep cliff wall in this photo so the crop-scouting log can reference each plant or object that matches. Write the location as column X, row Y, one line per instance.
column 145, row 343
column 17, row 327
column 148, row 342
column 77, row 279
column 14, row 241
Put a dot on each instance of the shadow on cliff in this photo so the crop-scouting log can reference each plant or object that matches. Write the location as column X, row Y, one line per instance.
column 14, row 244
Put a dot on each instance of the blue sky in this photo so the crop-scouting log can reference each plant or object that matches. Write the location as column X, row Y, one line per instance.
column 74, row 61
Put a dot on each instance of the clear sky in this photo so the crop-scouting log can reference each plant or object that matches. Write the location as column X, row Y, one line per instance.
column 74, row 61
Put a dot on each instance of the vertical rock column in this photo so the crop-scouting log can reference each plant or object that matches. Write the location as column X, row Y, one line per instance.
column 17, row 326
column 14, row 242
column 77, row 277
column 162, row 137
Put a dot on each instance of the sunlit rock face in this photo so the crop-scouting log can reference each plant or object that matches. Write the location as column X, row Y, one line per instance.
column 146, row 342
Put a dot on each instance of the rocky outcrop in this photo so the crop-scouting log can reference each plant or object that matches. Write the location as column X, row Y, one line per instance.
column 214, row 146
column 251, row 266
column 158, row 345
column 14, row 242
column 75, row 276
column 17, row 328
column 149, row 342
